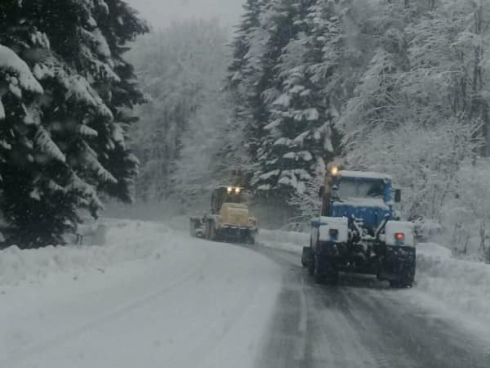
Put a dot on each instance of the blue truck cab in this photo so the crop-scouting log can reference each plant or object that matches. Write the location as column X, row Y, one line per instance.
column 367, row 197
column 358, row 230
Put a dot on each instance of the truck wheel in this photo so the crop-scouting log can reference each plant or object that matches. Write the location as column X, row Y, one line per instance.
column 210, row 232
column 206, row 230
column 249, row 238
column 319, row 279
column 306, row 257
column 400, row 284
column 311, row 265
column 192, row 229
column 405, row 277
column 333, row 278
column 318, row 275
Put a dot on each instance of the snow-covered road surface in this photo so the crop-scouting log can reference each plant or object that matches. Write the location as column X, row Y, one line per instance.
column 154, row 297
column 362, row 323
column 189, row 304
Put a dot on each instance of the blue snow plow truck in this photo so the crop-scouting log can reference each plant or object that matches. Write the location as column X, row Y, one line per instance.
column 358, row 231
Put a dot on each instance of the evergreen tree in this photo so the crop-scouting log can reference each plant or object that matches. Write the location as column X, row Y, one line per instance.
column 241, row 45
column 66, row 141
column 246, row 74
column 300, row 138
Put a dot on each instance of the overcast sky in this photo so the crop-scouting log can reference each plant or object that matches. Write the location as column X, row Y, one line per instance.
column 160, row 13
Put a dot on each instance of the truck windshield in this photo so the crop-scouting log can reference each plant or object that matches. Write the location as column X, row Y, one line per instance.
column 361, row 189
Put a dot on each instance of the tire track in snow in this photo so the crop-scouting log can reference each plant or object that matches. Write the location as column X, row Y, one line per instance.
column 427, row 340
column 20, row 355
column 362, row 324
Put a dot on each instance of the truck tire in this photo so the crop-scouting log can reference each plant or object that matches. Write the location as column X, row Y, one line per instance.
column 311, row 265
column 401, row 284
column 210, row 232
column 318, row 278
column 306, row 256
column 318, row 274
column 405, row 279
column 333, row 278
column 249, row 237
column 324, row 271
column 192, row 229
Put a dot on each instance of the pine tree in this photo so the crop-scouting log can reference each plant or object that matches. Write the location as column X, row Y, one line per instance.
column 300, row 137
column 66, row 140
column 241, row 44
column 246, row 72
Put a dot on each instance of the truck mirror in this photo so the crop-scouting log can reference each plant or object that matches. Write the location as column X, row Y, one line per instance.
column 398, row 195
column 321, row 191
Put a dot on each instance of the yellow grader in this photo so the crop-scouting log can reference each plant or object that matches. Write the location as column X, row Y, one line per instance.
column 229, row 219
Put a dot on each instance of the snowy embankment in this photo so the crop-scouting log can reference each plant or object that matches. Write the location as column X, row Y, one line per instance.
column 289, row 241
column 150, row 297
column 125, row 241
column 462, row 285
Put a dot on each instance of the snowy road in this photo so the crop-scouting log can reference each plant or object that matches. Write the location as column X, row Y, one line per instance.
column 362, row 323
column 192, row 304
column 158, row 298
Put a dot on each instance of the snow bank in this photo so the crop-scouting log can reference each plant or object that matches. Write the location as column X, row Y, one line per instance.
column 124, row 241
column 193, row 303
column 460, row 284
column 289, row 241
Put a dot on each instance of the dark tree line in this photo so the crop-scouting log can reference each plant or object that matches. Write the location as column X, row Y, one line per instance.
column 65, row 98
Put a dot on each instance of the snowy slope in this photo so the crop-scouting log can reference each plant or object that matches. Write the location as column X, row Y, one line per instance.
column 150, row 297
column 460, row 284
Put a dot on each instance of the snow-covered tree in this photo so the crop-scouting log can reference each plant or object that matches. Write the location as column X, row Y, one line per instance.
column 212, row 152
column 375, row 103
column 65, row 137
column 420, row 101
column 299, row 135
column 245, row 73
column 181, row 69
column 242, row 42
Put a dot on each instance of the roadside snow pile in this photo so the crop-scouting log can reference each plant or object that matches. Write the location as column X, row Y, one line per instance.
column 125, row 241
column 289, row 241
column 460, row 284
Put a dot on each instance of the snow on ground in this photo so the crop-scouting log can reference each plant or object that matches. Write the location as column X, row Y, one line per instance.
column 460, row 284
column 125, row 241
column 289, row 241
column 152, row 296
column 149, row 297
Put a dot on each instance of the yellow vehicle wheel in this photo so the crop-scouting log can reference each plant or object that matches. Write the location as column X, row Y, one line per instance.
column 192, row 229
column 210, row 230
